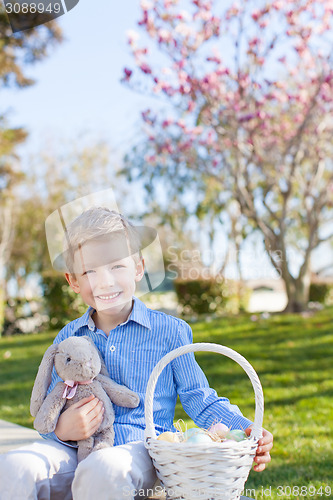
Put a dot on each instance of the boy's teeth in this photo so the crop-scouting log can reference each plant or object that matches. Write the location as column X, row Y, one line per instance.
column 108, row 297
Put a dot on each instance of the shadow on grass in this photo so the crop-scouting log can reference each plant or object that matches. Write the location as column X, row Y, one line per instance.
column 316, row 471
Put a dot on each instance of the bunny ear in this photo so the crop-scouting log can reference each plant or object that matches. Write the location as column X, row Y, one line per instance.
column 104, row 370
column 43, row 380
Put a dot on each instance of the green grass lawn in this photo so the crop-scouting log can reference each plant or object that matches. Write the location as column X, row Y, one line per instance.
column 293, row 357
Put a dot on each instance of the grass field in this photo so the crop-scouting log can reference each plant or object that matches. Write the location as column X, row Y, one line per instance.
column 293, row 357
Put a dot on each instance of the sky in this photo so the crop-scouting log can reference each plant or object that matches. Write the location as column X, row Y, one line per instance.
column 78, row 90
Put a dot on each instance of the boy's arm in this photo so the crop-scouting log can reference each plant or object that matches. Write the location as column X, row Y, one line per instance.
column 200, row 401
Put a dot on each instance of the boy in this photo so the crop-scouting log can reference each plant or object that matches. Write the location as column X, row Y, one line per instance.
column 103, row 264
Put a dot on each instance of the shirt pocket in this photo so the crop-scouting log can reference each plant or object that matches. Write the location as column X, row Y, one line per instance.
column 143, row 355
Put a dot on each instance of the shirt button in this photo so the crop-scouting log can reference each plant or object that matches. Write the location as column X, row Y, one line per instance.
column 112, row 348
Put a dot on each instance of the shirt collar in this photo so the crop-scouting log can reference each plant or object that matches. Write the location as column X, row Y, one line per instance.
column 139, row 315
column 86, row 320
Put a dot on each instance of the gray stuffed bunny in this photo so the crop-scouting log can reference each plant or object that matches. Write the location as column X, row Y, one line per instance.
column 81, row 367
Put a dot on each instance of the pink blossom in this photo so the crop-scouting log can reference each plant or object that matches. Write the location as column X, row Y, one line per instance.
column 182, row 76
column 185, row 89
column 262, row 115
column 223, row 71
column 150, row 158
column 147, row 117
column 181, row 124
column 256, row 15
column 132, row 37
column 166, row 123
column 144, row 19
column 254, row 42
column 128, row 73
column 263, row 23
column 197, row 130
column 215, row 59
column 278, row 5
column 191, row 106
column 145, row 68
column 248, row 117
column 164, row 36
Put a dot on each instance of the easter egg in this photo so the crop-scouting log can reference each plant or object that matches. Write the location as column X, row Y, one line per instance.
column 220, row 429
column 192, row 432
column 236, row 435
column 199, row 438
column 170, row 437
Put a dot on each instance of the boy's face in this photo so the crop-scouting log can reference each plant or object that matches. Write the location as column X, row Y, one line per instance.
column 105, row 286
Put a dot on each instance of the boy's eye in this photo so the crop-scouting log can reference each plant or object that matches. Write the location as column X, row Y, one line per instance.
column 118, row 266
column 88, row 272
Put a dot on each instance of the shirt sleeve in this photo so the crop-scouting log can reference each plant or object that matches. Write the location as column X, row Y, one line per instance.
column 54, row 437
column 200, row 401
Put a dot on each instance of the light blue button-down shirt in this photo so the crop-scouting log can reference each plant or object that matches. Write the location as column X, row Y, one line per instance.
column 131, row 350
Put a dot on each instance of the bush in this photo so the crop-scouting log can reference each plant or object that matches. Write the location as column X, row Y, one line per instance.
column 24, row 316
column 207, row 296
column 61, row 303
column 321, row 292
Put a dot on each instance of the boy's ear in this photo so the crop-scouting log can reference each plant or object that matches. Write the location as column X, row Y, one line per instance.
column 72, row 281
column 140, row 270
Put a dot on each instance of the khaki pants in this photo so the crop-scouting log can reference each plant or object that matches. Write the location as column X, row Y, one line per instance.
column 48, row 470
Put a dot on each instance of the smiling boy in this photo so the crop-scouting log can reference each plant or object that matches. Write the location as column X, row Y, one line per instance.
column 103, row 263
column 109, row 289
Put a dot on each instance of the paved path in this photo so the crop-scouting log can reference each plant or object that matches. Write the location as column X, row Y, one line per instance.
column 12, row 436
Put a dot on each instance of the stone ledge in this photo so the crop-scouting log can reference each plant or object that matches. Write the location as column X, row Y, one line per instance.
column 13, row 436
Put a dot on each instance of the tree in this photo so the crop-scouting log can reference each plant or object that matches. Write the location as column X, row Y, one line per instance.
column 16, row 51
column 249, row 96
column 57, row 176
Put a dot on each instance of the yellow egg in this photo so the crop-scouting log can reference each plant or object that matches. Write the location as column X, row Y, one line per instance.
column 171, row 437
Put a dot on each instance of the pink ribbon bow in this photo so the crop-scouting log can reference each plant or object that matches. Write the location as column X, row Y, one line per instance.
column 71, row 386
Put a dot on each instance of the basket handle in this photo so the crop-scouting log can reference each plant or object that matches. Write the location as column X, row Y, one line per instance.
column 256, row 432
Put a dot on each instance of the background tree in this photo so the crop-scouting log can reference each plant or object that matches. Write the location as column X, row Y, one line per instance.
column 248, row 107
column 16, row 52
column 56, row 177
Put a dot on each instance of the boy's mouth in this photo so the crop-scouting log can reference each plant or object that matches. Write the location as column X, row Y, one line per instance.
column 107, row 298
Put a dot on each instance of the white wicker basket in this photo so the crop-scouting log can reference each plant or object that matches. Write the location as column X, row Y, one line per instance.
column 203, row 471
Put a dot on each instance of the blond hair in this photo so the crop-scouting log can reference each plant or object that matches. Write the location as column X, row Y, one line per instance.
column 94, row 224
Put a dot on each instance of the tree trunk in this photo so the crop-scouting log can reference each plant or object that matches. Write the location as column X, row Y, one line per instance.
column 298, row 293
column 2, row 307
column 297, row 289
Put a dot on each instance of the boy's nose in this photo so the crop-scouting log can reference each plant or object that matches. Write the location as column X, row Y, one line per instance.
column 105, row 278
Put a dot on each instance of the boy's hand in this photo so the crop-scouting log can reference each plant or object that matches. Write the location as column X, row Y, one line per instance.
column 264, row 447
column 80, row 420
